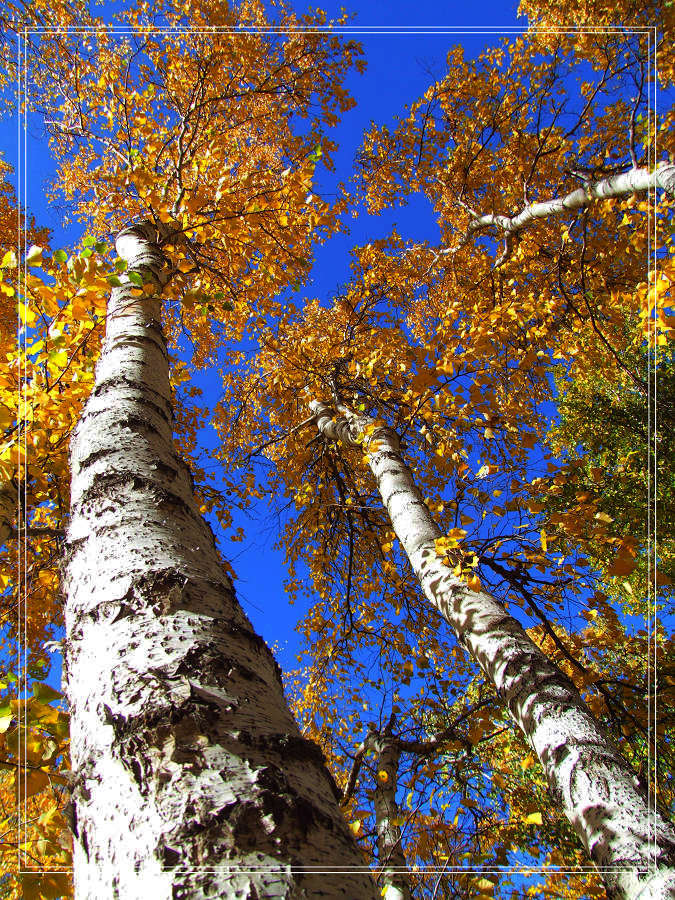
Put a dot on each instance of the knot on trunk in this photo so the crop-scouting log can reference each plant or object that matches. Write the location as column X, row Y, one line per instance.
column 350, row 428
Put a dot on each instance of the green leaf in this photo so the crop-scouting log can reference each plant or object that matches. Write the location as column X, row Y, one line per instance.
column 100, row 246
column 121, row 265
column 5, row 718
column 86, row 253
column 44, row 692
column 136, row 278
column 89, row 241
column 114, row 280
column 60, row 256
column 229, row 307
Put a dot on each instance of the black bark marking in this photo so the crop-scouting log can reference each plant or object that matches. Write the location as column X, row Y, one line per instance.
column 114, row 382
column 255, row 641
column 150, row 335
column 104, row 484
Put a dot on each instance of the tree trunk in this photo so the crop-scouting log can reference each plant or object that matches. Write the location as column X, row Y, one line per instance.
column 391, row 858
column 632, row 845
column 191, row 778
column 616, row 186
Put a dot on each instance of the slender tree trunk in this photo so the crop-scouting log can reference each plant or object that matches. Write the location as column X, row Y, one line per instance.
column 632, row 845
column 616, row 186
column 391, row 857
column 387, row 749
column 191, row 779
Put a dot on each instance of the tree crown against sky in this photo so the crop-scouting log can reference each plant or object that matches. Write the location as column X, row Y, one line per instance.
column 451, row 349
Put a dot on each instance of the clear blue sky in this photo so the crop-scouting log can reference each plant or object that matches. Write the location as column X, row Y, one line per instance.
column 400, row 66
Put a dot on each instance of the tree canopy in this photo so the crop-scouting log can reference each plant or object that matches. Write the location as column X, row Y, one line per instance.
column 522, row 361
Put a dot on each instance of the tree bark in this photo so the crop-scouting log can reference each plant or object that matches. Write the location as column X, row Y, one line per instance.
column 616, row 186
column 387, row 749
column 613, row 187
column 391, row 858
column 632, row 845
column 191, row 778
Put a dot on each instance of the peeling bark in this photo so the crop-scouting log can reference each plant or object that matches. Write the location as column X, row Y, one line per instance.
column 191, row 778
column 632, row 845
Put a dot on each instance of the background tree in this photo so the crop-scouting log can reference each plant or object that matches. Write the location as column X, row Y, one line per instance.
column 493, row 332
column 467, row 371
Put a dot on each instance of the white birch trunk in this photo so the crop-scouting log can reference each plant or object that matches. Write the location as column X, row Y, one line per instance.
column 617, row 186
column 391, row 857
column 632, row 845
column 191, row 779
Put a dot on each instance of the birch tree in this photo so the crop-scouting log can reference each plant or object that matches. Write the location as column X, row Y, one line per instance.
column 596, row 787
column 392, row 861
column 186, row 744
column 190, row 776
column 459, row 360
column 355, row 349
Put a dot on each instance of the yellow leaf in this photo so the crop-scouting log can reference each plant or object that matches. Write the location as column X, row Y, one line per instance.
column 26, row 314
column 383, row 776
column 473, row 582
column 544, row 543
column 355, row 827
column 8, row 260
column 533, row 819
column 44, row 886
column 58, row 358
column 527, row 763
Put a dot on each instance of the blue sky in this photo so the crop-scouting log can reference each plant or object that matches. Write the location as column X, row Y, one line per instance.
column 400, row 67
column 405, row 47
